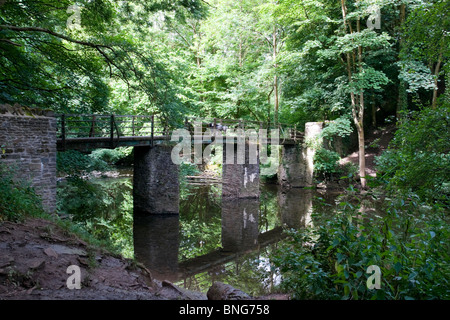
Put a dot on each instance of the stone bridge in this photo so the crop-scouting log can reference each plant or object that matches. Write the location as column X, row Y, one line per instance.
column 29, row 140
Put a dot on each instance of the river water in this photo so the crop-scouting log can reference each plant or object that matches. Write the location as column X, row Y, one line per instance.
column 211, row 240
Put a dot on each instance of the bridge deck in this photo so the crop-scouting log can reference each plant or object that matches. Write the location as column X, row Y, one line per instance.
column 88, row 132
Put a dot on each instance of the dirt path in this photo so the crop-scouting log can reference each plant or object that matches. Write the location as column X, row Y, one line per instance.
column 35, row 256
column 376, row 142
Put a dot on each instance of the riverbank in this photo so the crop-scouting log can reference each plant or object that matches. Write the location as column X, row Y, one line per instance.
column 35, row 255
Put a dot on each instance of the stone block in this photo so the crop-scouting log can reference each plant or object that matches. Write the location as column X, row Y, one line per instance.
column 292, row 169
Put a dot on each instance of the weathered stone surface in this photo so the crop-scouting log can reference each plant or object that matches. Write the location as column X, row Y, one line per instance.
column 156, row 240
column 155, row 181
column 240, row 177
column 297, row 161
column 312, row 130
column 222, row 291
column 292, row 171
column 28, row 146
column 240, row 224
column 296, row 207
column 18, row 110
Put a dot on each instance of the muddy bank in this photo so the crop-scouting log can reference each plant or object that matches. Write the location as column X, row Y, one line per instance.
column 34, row 260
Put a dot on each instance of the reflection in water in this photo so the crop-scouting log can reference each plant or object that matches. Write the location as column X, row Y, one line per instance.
column 240, row 224
column 156, row 243
column 295, row 207
column 211, row 240
column 200, row 247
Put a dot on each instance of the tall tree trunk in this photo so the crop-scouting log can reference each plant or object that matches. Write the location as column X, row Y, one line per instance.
column 436, row 78
column 275, row 79
column 402, row 95
column 357, row 104
column 359, row 122
column 374, row 113
column 362, row 150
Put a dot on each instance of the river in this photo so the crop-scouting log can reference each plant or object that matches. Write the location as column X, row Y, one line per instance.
column 211, row 240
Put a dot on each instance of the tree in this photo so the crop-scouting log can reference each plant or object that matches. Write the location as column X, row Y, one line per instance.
column 235, row 76
column 426, row 40
column 268, row 24
column 47, row 64
column 339, row 59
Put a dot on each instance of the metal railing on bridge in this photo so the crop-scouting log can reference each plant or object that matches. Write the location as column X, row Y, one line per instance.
column 111, row 129
column 287, row 132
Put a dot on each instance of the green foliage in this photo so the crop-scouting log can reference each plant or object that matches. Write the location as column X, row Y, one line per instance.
column 341, row 127
column 45, row 63
column 426, row 31
column 186, row 169
column 326, row 162
column 200, row 237
column 75, row 163
column 111, row 156
column 417, row 75
column 17, row 198
column 418, row 157
column 101, row 208
column 330, row 261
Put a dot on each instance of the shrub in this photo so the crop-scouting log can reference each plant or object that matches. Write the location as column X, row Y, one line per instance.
column 102, row 209
column 111, row 156
column 73, row 162
column 17, row 197
column 330, row 261
column 418, row 158
column 326, row 162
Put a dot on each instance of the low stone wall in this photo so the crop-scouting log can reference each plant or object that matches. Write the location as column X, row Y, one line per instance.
column 28, row 144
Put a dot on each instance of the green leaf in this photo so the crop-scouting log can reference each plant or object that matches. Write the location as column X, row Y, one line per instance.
column 398, row 267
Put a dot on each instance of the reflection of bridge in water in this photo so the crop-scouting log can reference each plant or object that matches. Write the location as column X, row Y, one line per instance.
column 157, row 238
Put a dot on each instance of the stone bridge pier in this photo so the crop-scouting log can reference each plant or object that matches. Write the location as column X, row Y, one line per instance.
column 240, row 170
column 296, row 167
column 155, row 181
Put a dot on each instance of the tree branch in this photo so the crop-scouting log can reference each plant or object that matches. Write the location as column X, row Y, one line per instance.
column 11, row 42
column 55, row 34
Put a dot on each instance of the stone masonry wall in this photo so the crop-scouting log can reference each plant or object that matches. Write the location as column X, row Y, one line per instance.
column 28, row 144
